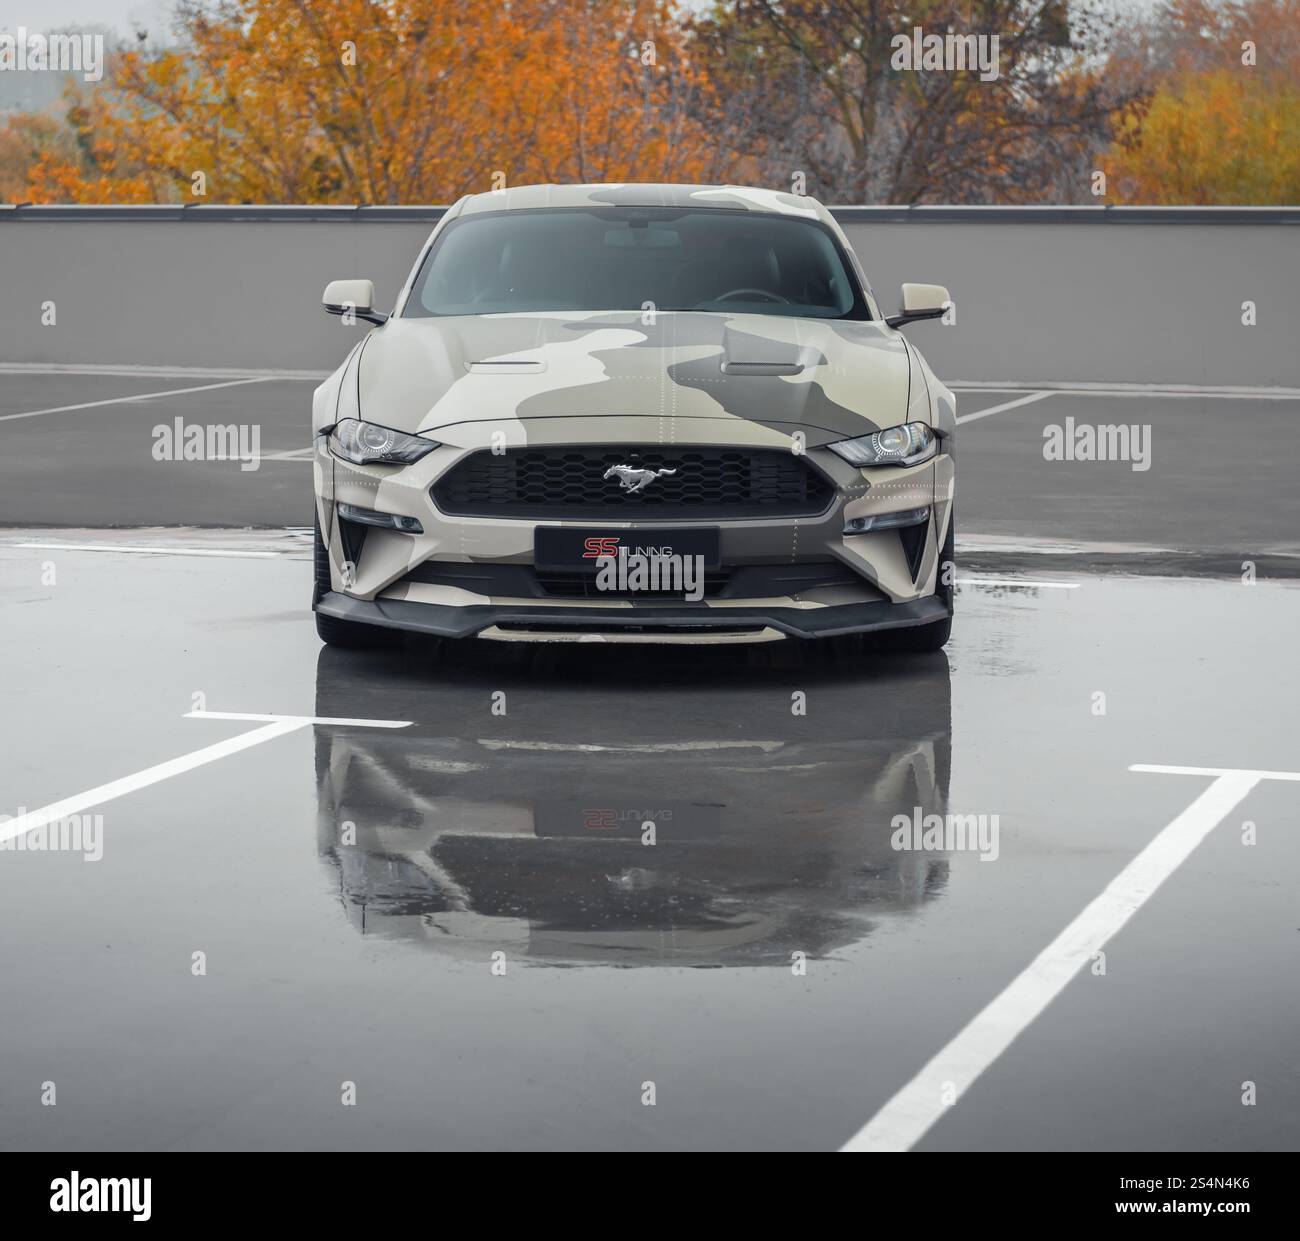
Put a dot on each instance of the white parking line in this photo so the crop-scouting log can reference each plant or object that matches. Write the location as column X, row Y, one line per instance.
column 295, row 719
column 153, row 551
column 1028, row 545
column 1015, row 581
column 1078, row 388
column 909, row 1115
column 277, row 726
column 159, row 372
column 142, row 779
column 997, row 409
column 1170, row 391
column 1216, row 771
column 126, row 400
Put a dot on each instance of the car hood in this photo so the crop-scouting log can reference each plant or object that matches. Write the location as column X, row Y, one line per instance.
column 837, row 377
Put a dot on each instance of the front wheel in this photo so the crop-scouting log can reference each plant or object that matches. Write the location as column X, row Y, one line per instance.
column 935, row 635
column 329, row 629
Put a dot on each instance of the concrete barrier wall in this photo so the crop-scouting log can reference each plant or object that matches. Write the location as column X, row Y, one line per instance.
column 1127, row 295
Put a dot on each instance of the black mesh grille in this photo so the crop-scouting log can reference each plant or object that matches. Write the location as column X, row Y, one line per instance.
column 569, row 482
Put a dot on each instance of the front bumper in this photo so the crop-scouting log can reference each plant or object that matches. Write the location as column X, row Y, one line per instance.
column 662, row 622
column 404, row 581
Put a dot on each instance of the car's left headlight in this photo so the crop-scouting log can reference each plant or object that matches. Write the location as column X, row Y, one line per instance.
column 366, row 443
column 909, row 444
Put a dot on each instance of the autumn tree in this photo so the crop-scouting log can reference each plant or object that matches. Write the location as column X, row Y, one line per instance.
column 818, row 87
column 403, row 101
column 1222, row 124
column 26, row 140
column 419, row 101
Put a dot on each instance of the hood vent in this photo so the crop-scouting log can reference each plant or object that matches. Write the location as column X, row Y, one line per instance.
column 762, row 368
column 521, row 367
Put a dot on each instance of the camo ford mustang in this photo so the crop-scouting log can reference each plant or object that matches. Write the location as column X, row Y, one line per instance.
column 636, row 413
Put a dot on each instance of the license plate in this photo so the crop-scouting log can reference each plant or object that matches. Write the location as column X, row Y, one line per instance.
column 571, row 549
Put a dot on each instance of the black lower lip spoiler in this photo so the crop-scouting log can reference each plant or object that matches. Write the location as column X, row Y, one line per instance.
column 441, row 620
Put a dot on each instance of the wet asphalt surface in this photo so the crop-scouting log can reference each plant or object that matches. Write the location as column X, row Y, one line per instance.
column 460, row 917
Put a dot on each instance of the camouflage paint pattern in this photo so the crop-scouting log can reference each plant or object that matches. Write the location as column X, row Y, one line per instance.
column 639, row 378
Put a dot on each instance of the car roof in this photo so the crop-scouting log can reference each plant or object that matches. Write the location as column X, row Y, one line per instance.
column 732, row 197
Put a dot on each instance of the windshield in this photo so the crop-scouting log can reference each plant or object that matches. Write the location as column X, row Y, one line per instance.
column 622, row 258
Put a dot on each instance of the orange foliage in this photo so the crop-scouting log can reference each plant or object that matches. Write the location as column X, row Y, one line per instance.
column 420, row 101
column 402, row 101
column 1208, row 138
column 1223, row 123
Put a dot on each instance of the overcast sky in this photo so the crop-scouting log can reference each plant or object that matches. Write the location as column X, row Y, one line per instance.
column 120, row 15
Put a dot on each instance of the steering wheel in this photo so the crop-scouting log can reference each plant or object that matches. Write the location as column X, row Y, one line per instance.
column 763, row 295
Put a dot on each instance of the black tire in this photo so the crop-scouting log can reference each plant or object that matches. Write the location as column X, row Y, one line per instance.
column 932, row 637
column 329, row 629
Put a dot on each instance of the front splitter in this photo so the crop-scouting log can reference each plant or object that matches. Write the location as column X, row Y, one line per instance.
column 444, row 621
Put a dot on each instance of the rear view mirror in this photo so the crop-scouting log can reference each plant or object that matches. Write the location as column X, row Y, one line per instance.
column 921, row 301
column 352, row 297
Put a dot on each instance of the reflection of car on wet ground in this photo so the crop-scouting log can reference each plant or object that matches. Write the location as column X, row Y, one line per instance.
column 677, row 372
column 527, row 832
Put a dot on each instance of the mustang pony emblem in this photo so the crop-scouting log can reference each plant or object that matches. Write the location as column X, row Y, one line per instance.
column 632, row 479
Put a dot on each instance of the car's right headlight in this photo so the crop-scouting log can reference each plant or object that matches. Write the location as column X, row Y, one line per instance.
column 909, row 444
column 366, row 443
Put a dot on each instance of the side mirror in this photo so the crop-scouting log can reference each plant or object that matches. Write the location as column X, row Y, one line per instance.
column 921, row 301
column 356, row 297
